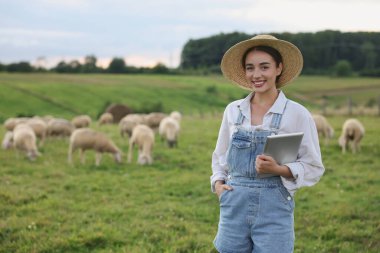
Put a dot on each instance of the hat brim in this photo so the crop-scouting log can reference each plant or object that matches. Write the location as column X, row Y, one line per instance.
column 233, row 69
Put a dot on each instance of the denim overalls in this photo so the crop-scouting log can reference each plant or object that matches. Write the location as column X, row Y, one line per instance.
column 257, row 215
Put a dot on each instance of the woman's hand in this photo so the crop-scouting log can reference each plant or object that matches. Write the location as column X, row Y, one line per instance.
column 267, row 165
column 220, row 187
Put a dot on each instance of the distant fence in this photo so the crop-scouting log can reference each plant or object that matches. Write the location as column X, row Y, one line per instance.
column 351, row 109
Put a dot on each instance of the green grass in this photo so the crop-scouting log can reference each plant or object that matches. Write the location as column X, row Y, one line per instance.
column 48, row 206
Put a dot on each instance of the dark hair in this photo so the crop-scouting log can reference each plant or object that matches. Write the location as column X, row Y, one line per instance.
column 269, row 50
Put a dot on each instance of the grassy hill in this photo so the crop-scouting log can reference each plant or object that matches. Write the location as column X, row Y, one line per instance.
column 49, row 206
column 68, row 95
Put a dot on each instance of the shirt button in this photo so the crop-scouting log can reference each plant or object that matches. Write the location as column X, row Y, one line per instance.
column 289, row 198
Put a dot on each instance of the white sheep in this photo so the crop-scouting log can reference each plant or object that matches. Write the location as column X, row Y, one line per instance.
column 59, row 127
column 39, row 127
column 169, row 130
column 324, row 128
column 7, row 142
column 86, row 138
column 176, row 115
column 153, row 119
column 352, row 131
column 81, row 121
column 24, row 139
column 11, row 123
column 143, row 137
column 105, row 118
column 128, row 122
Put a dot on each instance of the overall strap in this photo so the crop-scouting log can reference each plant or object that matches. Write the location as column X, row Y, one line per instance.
column 276, row 119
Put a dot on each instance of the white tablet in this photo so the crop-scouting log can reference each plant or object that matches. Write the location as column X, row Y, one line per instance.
column 283, row 147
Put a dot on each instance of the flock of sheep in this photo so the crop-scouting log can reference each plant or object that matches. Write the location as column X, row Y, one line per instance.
column 352, row 132
column 22, row 134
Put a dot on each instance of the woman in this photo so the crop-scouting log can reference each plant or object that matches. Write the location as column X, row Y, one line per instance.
column 256, row 193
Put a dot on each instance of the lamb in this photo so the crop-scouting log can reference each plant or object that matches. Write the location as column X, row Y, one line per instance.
column 143, row 137
column 105, row 118
column 352, row 131
column 59, row 127
column 24, row 139
column 86, row 138
column 324, row 129
column 127, row 123
column 81, row 121
column 176, row 115
column 169, row 130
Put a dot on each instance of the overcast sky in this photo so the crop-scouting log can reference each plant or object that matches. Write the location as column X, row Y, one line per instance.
column 149, row 31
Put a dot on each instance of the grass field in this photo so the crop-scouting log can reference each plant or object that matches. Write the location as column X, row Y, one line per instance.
column 48, row 206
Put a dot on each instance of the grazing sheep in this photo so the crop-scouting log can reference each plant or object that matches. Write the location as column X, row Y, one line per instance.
column 59, row 127
column 169, row 130
column 39, row 127
column 7, row 142
column 81, row 121
column 86, row 138
column 105, row 118
column 24, row 139
column 11, row 123
column 176, row 115
column 352, row 131
column 143, row 137
column 127, row 123
column 153, row 119
column 324, row 129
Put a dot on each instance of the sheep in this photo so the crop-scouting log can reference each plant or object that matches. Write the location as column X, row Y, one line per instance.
column 24, row 139
column 39, row 127
column 86, row 138
column 81, row 121
column 143, row 137
column 176, row 115
column 105, row 118
column 169, row 130
column 324, row 129
column 59, row 127
column 7, row 142
column 352, row 131
column 153, row 119
column 11, row 123
column 127, row 123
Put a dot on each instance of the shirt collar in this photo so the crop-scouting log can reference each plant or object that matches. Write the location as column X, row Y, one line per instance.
column 277, row 107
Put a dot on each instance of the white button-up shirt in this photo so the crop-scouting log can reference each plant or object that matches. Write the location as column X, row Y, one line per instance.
column 308, row 168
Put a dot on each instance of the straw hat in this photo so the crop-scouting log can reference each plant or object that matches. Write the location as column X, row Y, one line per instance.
column 292, row 60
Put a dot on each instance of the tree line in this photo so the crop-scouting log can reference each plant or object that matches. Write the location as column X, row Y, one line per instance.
column 325, row 53
column 117, row 65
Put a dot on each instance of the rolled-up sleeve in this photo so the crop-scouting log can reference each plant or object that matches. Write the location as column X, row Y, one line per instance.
column 219, row 156
column 308, row 169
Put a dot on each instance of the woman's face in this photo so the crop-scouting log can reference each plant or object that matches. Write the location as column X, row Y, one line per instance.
column 261, row 71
